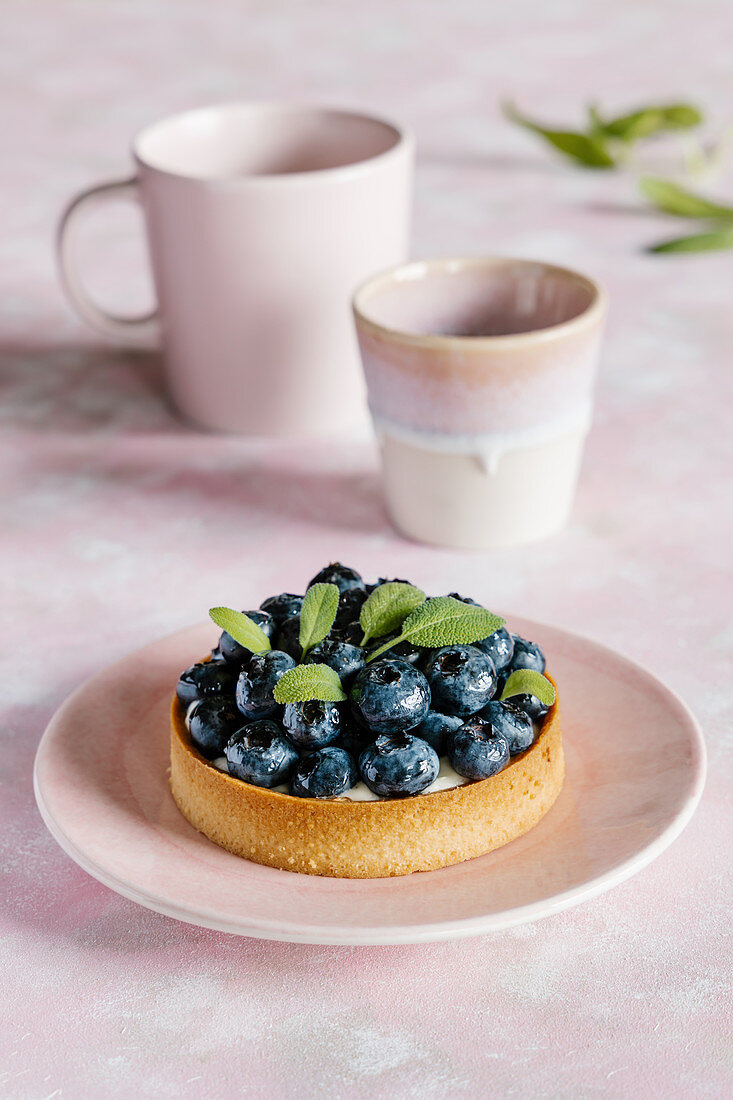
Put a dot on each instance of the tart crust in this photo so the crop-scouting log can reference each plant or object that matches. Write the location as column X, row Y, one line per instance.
column 343, row 839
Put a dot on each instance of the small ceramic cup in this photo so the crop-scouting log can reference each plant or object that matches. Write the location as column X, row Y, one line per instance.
column 480, row 377
column 261, row 220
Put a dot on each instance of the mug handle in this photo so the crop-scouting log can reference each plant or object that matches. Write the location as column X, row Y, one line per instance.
column 141, row 330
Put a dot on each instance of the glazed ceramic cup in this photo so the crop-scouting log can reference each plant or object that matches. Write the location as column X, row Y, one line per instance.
column 480, row 380
column 261, row 221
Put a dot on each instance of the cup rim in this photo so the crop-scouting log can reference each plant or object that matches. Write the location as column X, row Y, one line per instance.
column 418, row 269
column 405, row 140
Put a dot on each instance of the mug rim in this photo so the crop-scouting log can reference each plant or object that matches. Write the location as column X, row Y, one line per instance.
column 404, row 140
column 421, row 269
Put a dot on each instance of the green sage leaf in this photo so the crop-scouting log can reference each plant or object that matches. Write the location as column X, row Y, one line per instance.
column 587, row 149
column 443, row 620
column 387, row 607
column 699, row 242
column 317, row 614
column 527, row 681
column 241, row 628
column 673, row 199
column 647, row 121
column 305, row 682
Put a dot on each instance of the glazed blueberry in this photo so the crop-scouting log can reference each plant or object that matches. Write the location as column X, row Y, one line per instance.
column 283, row 606
column 435, row 728
column 236, row 653
column 462, row 679
column 206, row 678
column 398, row 765
column 511, row 723
column 313, row 724
column 351, row 633
column 476, row 750
column 346, row 660
column 260, row 754
column 353, row 737
column 287, row 637
column 527, row 655
column 531, row 706
column 390, row 696
column 211, row 723
column 326, row 773
column 256, row 683
column 499, row 646
column 340, row 575
column 349, row 606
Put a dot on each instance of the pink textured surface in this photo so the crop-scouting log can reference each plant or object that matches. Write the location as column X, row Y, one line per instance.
column 120, row 525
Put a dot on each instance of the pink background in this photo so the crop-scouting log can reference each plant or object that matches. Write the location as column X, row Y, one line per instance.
column 119, row 525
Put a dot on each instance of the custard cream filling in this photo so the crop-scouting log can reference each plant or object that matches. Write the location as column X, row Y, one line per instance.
column 445, row 780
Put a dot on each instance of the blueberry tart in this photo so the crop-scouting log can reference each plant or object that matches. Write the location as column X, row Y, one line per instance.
column 431, row 737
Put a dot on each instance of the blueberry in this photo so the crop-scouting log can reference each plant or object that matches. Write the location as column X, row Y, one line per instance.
column 326, row 773
column 232, row 651
column 390, row 696
column 531, row 706
column 287, row 637
column 527, row 655
column 398, row 765
column 510, row 722
column 346, row 660
column 353, row 737
column 340, row 575
column 212, row 722
column 435, row 728
column 349, row 606
column 499, row 646
column 283, row 606
column 476, row 750
column 256, row 683
column 351, row 633
column 259, row 753
column 313, row 724
column 206, row 678
column 462, row 679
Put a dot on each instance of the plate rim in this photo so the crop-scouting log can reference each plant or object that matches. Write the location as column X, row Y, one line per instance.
column 295, row 932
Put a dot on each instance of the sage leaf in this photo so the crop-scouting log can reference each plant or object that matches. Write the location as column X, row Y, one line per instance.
column 443, row 620
column 241, row 628
column 317, row 614
column 527, row 681
column 588, row 149
column 673, row 199
column 305, row 682
column 647, row 121
column 699, row 242
column 387, row 607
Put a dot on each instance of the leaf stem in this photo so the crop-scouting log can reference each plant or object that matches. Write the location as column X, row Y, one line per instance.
column 387, row 645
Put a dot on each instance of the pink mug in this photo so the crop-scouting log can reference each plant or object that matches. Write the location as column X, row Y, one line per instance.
column 261, row 220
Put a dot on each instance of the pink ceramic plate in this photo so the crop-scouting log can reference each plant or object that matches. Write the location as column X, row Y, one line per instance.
column 635, row 772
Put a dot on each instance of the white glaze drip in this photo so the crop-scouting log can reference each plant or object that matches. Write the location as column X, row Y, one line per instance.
column 488, row 448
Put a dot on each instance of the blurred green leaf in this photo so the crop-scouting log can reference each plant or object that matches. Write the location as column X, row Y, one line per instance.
column 586, row 149
column 698, row 242
column 647, row 121
column 673, row 199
